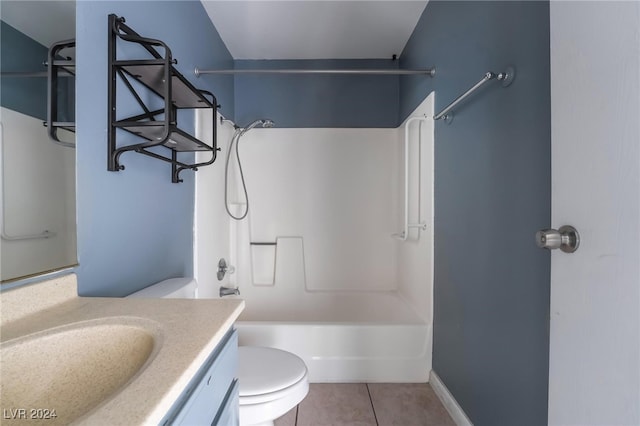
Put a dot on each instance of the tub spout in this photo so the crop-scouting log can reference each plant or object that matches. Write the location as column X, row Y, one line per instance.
column 229, row 291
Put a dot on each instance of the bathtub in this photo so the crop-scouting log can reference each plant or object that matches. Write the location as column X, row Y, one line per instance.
column 344, row 336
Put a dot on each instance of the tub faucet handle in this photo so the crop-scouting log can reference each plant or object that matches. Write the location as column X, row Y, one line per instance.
column 223, row 269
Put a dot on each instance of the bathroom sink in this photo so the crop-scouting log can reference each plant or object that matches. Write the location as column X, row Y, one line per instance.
column 71, row 370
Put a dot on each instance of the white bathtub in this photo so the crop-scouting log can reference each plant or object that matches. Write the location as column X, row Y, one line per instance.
column 344, row 336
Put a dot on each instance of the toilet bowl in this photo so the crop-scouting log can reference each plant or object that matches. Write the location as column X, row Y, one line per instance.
column 271, row 381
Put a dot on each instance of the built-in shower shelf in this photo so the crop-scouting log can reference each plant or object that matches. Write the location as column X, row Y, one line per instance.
column 155, row 79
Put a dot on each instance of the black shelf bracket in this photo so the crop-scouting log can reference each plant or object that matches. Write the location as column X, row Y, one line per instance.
column 157, row 127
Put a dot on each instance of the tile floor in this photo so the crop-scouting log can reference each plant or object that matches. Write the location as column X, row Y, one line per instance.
column 361, row 404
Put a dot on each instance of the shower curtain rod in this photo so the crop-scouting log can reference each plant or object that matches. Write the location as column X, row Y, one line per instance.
column 31, row 74
column 429, row 71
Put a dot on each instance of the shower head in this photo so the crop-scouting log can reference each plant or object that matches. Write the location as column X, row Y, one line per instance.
column 264, row 123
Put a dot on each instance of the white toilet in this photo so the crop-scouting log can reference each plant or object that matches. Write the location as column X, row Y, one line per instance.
column 271, row 381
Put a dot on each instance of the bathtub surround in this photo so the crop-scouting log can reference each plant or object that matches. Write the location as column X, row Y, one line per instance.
column 136, row 227
column 492, row 192
column 334, row 286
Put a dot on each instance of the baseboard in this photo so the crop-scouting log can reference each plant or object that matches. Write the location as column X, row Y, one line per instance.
column 455, row 411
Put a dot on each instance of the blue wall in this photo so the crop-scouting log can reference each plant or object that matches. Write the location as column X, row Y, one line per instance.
column 28, row 95
column 318, row 100
column 492, row 193
column 19, row 52
column 135, row 227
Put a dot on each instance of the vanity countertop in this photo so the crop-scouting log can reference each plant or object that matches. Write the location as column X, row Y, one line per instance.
column 186, row 332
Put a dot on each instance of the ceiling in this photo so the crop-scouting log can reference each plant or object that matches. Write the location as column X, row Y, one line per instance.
column 314, row 29
column 264, row 29
column 46, row 21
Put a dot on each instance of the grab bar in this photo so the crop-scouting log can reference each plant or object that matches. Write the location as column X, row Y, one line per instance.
column 44, row 234
column 506, row 77
column 421, row 225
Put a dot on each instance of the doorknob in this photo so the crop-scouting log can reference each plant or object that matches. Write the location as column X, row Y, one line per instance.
column 566, row 239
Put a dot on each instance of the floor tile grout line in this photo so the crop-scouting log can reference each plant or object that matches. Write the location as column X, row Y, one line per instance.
column 297, row 410
column 372, row 406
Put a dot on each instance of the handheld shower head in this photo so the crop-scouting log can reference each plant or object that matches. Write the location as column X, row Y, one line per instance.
column 264, row 123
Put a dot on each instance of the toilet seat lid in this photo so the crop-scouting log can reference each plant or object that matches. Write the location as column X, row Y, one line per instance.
column 266, row 370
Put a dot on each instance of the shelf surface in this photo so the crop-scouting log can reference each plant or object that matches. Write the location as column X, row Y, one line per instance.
column 178, row 140
column 69, row 126
column 152, row 75
column 64, row 63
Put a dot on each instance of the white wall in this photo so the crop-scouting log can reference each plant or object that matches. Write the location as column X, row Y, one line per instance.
column 594, row 366
column 211, row 223
column 38, row 178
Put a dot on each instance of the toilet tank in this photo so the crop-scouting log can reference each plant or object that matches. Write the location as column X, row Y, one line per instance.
column 174, row 288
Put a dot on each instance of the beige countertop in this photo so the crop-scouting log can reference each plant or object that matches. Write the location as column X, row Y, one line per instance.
column 185, row 333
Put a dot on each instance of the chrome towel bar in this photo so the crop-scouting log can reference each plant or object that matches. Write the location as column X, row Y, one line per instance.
column 506, row 77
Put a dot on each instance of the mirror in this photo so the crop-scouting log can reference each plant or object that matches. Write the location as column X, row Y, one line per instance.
column 37, row 174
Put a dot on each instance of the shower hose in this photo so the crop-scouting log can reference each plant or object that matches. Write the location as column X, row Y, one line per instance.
column 235, row 140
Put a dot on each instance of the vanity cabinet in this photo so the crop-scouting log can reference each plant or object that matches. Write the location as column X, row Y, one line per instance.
column 211, row 398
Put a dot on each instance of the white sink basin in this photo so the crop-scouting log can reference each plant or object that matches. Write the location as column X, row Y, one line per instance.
column 71, row 370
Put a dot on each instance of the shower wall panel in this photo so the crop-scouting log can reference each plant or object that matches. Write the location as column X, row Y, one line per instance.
column 335, row 191
column 415, row 256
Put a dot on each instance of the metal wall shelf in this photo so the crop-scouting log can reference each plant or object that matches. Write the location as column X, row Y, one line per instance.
column 158, row 128
column 57, row 68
